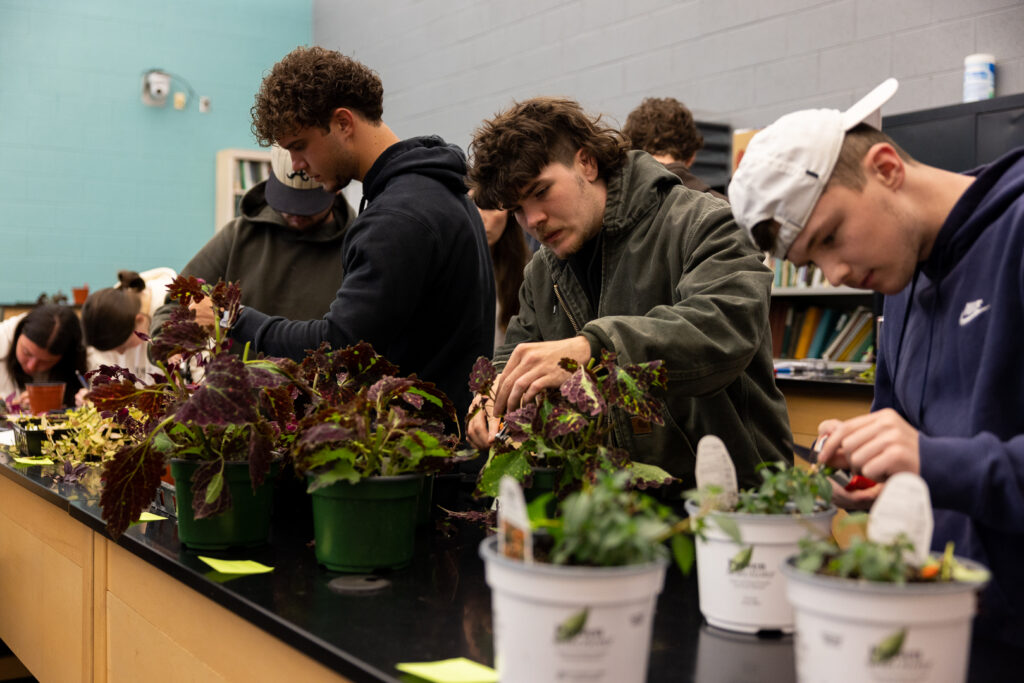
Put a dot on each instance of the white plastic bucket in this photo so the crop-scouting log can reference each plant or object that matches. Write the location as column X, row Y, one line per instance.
column 843, row 628
column 754, row 598
column 537, row 611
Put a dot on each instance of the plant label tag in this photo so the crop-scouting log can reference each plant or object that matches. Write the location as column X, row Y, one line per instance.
column 715, row 468
column 903, row 507
column 514, row 537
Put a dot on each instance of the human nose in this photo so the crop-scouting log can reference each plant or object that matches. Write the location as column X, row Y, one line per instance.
column 298, row 163
column 836, row 272
column 31, row 365
column 531, row 218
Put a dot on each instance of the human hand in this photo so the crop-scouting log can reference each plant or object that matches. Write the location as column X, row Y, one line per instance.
column 22, row 400
column 534, row 366
column 482, row 427
column 205, row 315
column 80, row 396
column 876, row 445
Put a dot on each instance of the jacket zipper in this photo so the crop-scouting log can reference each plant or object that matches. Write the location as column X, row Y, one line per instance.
column 561, row 302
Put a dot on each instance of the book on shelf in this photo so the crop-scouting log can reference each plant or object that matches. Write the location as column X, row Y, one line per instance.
column 812, row 316
column 823, row 333
column 860, row 318
column 787, row 333
column 794, row 337
column 865, row 350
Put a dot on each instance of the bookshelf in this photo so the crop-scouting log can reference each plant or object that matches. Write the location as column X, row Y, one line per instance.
column 237, row 171
column 818, row 328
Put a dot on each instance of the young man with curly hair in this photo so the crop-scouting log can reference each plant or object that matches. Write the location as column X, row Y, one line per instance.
column 634, row 263
column 664, row 128
column 417, row 281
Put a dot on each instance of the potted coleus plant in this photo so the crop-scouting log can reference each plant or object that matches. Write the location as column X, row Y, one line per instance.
column 565, row 435
column 743, row 536
column 219, row 435
column 365, row 444
column 573, row 597
column 885, row 607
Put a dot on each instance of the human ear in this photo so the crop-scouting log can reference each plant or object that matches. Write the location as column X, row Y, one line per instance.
column 587, row 164
column 883, row 163
column 344, row 119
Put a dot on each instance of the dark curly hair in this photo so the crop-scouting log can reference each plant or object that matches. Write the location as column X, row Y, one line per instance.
column 511, row 149
column 662, row 125
column 304, row 89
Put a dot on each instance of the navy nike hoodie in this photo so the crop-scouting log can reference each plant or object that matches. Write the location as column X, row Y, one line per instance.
column 951, row 363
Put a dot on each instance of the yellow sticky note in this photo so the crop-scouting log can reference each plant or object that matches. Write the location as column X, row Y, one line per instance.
column 34, row 461
column 458, row 670
column 150, row 517
column 236, row 566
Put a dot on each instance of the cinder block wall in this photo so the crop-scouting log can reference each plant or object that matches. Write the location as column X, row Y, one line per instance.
column 447, row 65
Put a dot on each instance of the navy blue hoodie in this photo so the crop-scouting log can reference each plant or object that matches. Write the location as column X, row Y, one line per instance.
column 418, row 282
column 952, row 364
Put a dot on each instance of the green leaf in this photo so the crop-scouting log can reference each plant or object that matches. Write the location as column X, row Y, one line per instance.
column 572, row 626
column 536, row 509
column 650, row 474
column 889, row 647
column 213, row 489
column 342, row 471
column 741, row 560
column 728, row 527
column 514, row 464
column 684, row 552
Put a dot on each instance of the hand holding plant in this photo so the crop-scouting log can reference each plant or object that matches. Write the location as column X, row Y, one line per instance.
column 571, row 427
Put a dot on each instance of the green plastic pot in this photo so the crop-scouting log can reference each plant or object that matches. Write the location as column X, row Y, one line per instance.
column 367, row 525
column 245, row 524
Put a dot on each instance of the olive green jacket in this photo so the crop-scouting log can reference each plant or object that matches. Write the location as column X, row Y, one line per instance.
column 680, row 282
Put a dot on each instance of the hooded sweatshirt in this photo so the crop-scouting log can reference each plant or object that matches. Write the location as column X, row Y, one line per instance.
column 951, row 364
column 418, row 284
column 272, row 262
column 678, row 281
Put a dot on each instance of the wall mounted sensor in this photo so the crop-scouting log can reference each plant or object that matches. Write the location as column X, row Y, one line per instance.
column 156, row 85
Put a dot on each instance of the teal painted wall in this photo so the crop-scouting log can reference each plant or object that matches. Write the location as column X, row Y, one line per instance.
column 91, row 179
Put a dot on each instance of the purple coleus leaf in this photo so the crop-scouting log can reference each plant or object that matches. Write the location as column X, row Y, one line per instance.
column 130, row 481
column 629, row 388
column 519, row 424
column 261, row 453
column 225, row 397
column 179, row 338
column 186, row 290
column 583, row 390
column 482, row 376
column 364, row 365
column 562, row 421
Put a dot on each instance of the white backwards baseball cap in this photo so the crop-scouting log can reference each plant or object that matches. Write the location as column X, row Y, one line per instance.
column 787, row 165
column 294, row 192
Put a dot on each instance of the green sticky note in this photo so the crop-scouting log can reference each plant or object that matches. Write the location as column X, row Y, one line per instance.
column 236, row 566
column 150, row 517
column 33, row 461
column 458, row 670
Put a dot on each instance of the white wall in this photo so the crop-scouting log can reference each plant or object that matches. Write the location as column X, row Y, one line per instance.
column 447, row 64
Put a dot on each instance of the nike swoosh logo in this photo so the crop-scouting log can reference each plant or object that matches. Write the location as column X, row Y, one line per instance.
column 967, row 316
